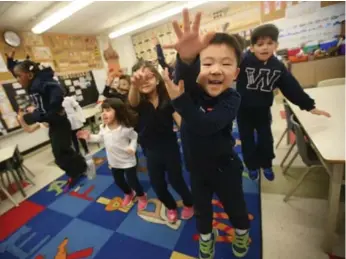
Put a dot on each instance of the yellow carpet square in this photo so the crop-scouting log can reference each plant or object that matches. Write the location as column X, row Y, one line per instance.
column 177, row 255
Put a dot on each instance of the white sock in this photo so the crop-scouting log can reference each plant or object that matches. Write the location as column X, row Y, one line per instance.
column 241, row 231
column 206, row 237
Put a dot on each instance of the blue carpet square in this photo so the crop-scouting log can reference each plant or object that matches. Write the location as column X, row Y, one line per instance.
column 121, row 246
column 108, row 219
column 49, row 194
column 72, row 205
column 81, row 235
column 35, row 234
column 134, row 226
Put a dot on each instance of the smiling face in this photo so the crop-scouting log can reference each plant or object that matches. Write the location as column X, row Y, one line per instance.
column 124, row 85
column 219, row 68
column 150, row 84
column 264, row 48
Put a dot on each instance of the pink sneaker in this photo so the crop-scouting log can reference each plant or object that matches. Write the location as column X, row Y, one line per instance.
column 187, row 213
column 142, row 202
column 172, row 216
column 128, row 199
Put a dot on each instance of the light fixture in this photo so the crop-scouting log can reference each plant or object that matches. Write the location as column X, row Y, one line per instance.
column 60, row 15
column 154, row 19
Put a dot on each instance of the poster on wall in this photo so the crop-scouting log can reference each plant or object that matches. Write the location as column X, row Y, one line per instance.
column 42, row 53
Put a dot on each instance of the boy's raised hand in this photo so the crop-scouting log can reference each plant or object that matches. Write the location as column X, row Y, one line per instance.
column 320, row 112
column 189, row 42
column 173, row 90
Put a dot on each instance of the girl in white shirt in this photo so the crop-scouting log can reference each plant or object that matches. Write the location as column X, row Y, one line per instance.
column 120, row 141
column 76, row 117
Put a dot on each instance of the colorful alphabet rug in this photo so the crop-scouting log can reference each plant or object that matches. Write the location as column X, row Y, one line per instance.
column 88, row 222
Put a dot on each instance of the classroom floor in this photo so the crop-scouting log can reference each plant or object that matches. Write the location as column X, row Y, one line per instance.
column 290, row 230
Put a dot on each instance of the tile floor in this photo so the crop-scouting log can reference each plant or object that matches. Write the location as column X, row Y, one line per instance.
column 290, row 230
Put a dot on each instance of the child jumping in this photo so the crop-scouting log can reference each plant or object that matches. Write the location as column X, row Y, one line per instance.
column 76, row 117
column 208, row 109
column 260, row 73
column 120, row 141
column 148, row 96
column 47, row 95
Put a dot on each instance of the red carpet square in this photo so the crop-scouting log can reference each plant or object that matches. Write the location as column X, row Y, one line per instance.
column 17, row 217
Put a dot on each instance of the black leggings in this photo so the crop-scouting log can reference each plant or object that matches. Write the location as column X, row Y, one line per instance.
column 257, row 154
column 160, row 161
column 82, row 141
column 224, row 178
column 66, row 158
column 132, row 182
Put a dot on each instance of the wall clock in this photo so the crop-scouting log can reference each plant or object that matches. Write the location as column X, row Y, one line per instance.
column 12, row 38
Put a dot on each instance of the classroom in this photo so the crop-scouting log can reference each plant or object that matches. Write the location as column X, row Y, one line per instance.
column 127, row 128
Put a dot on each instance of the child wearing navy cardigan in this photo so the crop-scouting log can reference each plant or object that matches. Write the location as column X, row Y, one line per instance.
column 260, row 73
column 208, row 109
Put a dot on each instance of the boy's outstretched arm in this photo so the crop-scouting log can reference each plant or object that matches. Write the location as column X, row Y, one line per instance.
column 292, row 90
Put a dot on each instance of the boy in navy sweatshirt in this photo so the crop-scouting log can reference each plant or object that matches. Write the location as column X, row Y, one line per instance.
column 208, row 109
column 47, row 96
column 260, row 73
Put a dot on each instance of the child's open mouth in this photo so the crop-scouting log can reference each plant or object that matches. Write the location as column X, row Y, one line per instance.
column 215, row 82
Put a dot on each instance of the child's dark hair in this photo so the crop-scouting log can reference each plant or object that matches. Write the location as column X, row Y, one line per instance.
column 125, row 77
column 266, row 30
column 229, row 40
column 125, row 116
column 28, row 66
column 161, row 87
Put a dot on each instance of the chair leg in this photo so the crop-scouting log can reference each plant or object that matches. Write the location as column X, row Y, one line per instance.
column 17, row 181
column 26, row 176
column 290, row 163
column 299, row 182
column 288, row 137
column 281, row 138
column 28, row 170
column 3, row 189
column 287, row 155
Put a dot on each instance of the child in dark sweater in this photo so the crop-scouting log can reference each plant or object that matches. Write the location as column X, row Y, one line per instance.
column 47, row 96
column 260, row 73
column 122, row 90
column 208, row 109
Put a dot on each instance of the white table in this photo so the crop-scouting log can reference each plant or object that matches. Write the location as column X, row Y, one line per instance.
column 7, row 153
column 327, row 136
column 89, row 113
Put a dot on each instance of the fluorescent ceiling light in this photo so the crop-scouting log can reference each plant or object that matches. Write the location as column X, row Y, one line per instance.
column 155, row 18
column 60, row 15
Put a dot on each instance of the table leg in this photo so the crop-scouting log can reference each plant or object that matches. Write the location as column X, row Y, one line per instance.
column 335, row 182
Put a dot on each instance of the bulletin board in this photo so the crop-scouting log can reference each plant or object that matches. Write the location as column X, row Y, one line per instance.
column 298, row 21
column 81, row 85
column 9, row 105
column 62, row 52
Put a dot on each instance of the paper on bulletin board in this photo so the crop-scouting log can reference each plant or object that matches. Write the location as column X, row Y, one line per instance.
column 3, row 66
column 76, row 83
column 71, row 89
column 68, row 82
column 42, row 53
column 80, row 98
column 16, row 85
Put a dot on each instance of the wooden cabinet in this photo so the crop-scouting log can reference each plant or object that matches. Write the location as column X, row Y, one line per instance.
column 311, row 72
